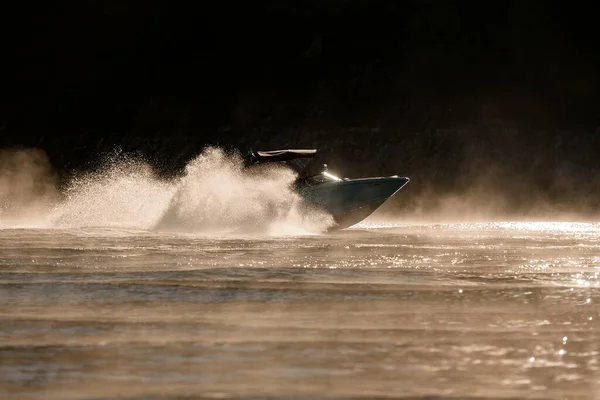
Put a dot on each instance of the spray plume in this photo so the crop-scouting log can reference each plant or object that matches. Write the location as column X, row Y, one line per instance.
column 216, row 195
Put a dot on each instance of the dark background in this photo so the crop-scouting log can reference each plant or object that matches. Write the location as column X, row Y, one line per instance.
column 454, row 94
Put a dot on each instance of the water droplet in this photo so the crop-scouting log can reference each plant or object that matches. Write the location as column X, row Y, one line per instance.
column 590, row 318
column 571, row 289
column 562, row 352
column 588, row 301
column 460, row 290
column 532, row 359
column 565, row 339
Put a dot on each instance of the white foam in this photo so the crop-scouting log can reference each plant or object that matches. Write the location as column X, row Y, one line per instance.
column 216, row 195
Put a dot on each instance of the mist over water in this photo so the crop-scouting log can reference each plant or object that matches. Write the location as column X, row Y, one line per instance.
column 215, row 195
column 103, row 293
column 27, row 187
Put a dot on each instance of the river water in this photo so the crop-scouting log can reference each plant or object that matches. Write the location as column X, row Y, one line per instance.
column 503, row 309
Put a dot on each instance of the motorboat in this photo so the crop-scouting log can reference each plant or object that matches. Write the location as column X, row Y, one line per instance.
column 349, row 201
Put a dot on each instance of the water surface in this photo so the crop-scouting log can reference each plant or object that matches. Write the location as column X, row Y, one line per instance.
column 447, row 310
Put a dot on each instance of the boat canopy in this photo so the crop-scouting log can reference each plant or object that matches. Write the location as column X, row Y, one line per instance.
column 296, row 159
column 279, row 155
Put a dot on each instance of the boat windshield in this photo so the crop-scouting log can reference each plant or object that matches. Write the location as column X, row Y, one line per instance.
column 331, row 176
column 323, row 177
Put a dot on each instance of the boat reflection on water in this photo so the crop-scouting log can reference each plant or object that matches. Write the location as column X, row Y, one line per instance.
column 349, row 201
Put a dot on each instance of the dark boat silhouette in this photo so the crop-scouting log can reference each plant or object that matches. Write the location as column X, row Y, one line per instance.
column 349, row 201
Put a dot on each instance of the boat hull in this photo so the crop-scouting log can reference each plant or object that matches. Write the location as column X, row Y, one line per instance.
column 351, row 201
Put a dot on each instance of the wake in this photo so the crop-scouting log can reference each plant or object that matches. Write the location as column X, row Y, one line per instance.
column 215, row 195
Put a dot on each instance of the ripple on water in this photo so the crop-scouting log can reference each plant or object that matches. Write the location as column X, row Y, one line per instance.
column 478, row 309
